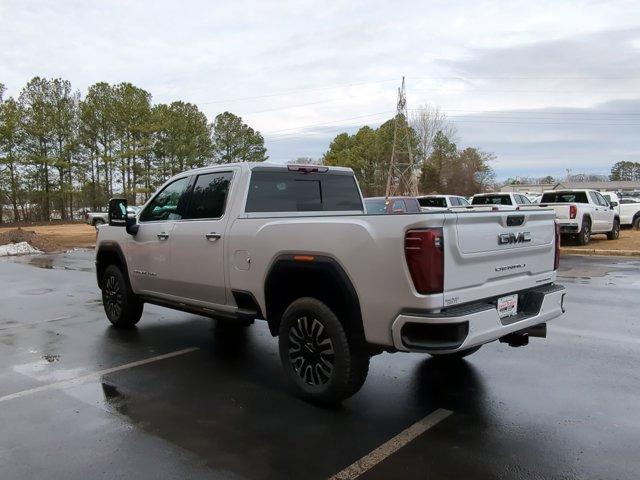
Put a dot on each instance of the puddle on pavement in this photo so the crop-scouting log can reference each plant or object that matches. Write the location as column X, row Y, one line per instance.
column 37, row 291
column 609, row 273
column 100, row 394
column 41, row 262
column 44, row 371
column 79, row 259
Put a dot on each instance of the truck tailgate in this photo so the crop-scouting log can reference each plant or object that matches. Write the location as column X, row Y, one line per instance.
column 497, row 252
column 562, row 210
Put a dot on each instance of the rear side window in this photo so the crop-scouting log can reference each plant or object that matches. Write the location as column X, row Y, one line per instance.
column 164, row 205
column 302, row 192
column 463, row 201
column 209, row 195
column 564, row 197
column 491, row 200
column 433, row 202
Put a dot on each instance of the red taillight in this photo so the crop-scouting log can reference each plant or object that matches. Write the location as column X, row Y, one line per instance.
column 573, row 211
column 556, row 260
column 424, row 251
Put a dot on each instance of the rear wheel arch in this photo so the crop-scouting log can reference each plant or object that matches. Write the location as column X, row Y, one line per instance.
column 322, row 278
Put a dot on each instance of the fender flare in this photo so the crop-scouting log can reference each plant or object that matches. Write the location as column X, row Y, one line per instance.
column 321, row 264
column 113, row 248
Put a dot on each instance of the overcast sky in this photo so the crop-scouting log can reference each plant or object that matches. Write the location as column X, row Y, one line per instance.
column 545, row 85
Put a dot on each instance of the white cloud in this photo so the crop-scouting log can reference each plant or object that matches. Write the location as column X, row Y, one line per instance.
column 235, row 56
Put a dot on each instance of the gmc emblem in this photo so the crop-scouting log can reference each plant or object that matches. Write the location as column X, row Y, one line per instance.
column 520, row 237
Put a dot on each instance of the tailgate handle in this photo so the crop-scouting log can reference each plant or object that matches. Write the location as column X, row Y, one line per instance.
column 515, row 220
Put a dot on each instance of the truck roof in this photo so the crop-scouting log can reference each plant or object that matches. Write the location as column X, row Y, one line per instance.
column 271, row 166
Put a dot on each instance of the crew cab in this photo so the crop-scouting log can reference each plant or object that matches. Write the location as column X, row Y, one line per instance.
column 628, row 209
column 292, row 245
column 500, row 200
column 428, row 202
column 582, row 213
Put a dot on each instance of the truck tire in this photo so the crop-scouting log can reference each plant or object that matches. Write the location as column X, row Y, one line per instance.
column 615, row 231
column 456, row 355
column 585, row 234
column 122, row 306
column 636, row 223
column 316, row 354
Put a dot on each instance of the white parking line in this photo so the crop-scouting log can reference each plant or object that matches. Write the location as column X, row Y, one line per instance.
column 388, row 448
column 95, row 375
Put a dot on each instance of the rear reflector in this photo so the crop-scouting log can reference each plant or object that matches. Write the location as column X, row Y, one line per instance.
column 424, row 251
column 573, row 211
column 556, row 260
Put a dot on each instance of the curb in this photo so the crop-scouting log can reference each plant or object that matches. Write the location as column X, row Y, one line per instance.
column 596, row 251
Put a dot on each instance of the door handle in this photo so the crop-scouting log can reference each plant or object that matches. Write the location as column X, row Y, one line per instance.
column 212, row 236
column 162, row 236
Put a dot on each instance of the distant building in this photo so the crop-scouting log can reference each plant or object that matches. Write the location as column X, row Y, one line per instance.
column 614, row 186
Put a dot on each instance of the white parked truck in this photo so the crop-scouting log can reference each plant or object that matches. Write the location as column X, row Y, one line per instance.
column 628, row 209
column 582, row 212
column 500, row 200
column 293, row 246
column 430, row 202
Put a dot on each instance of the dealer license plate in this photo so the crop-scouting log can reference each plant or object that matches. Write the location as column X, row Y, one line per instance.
column 508, row 306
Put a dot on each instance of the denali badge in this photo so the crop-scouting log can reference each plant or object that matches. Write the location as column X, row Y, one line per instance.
column 520, row 237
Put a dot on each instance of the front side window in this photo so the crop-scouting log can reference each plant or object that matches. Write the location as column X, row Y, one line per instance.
column 462, row 201
column 601, row 200
column 164, row 205
column 209, row 195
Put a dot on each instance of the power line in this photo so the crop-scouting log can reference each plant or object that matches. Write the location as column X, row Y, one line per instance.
column 330, row 122
column 290, row 92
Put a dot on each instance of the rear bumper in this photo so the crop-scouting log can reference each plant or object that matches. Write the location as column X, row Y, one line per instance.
column 568, row 227
column 475, row 324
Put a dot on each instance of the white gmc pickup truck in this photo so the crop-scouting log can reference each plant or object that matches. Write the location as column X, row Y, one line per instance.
column 293, row 246
column 582, row 213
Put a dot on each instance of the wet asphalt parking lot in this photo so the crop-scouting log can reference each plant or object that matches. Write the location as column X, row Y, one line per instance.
column 183, row 396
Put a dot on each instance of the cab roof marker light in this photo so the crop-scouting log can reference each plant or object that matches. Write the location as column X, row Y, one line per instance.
column 307, row 169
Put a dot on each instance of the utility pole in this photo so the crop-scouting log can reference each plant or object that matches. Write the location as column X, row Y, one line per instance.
column 402, row 178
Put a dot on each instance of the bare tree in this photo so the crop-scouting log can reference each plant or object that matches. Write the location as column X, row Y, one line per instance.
column 427, row 121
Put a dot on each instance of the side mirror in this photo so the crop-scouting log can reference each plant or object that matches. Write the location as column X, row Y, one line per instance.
column 118, row 212
column 119, row 217
column 614, row 204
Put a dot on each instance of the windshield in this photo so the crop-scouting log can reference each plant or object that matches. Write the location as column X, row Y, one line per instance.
column 564, row 197
column 491, row 200
column 376, row 206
